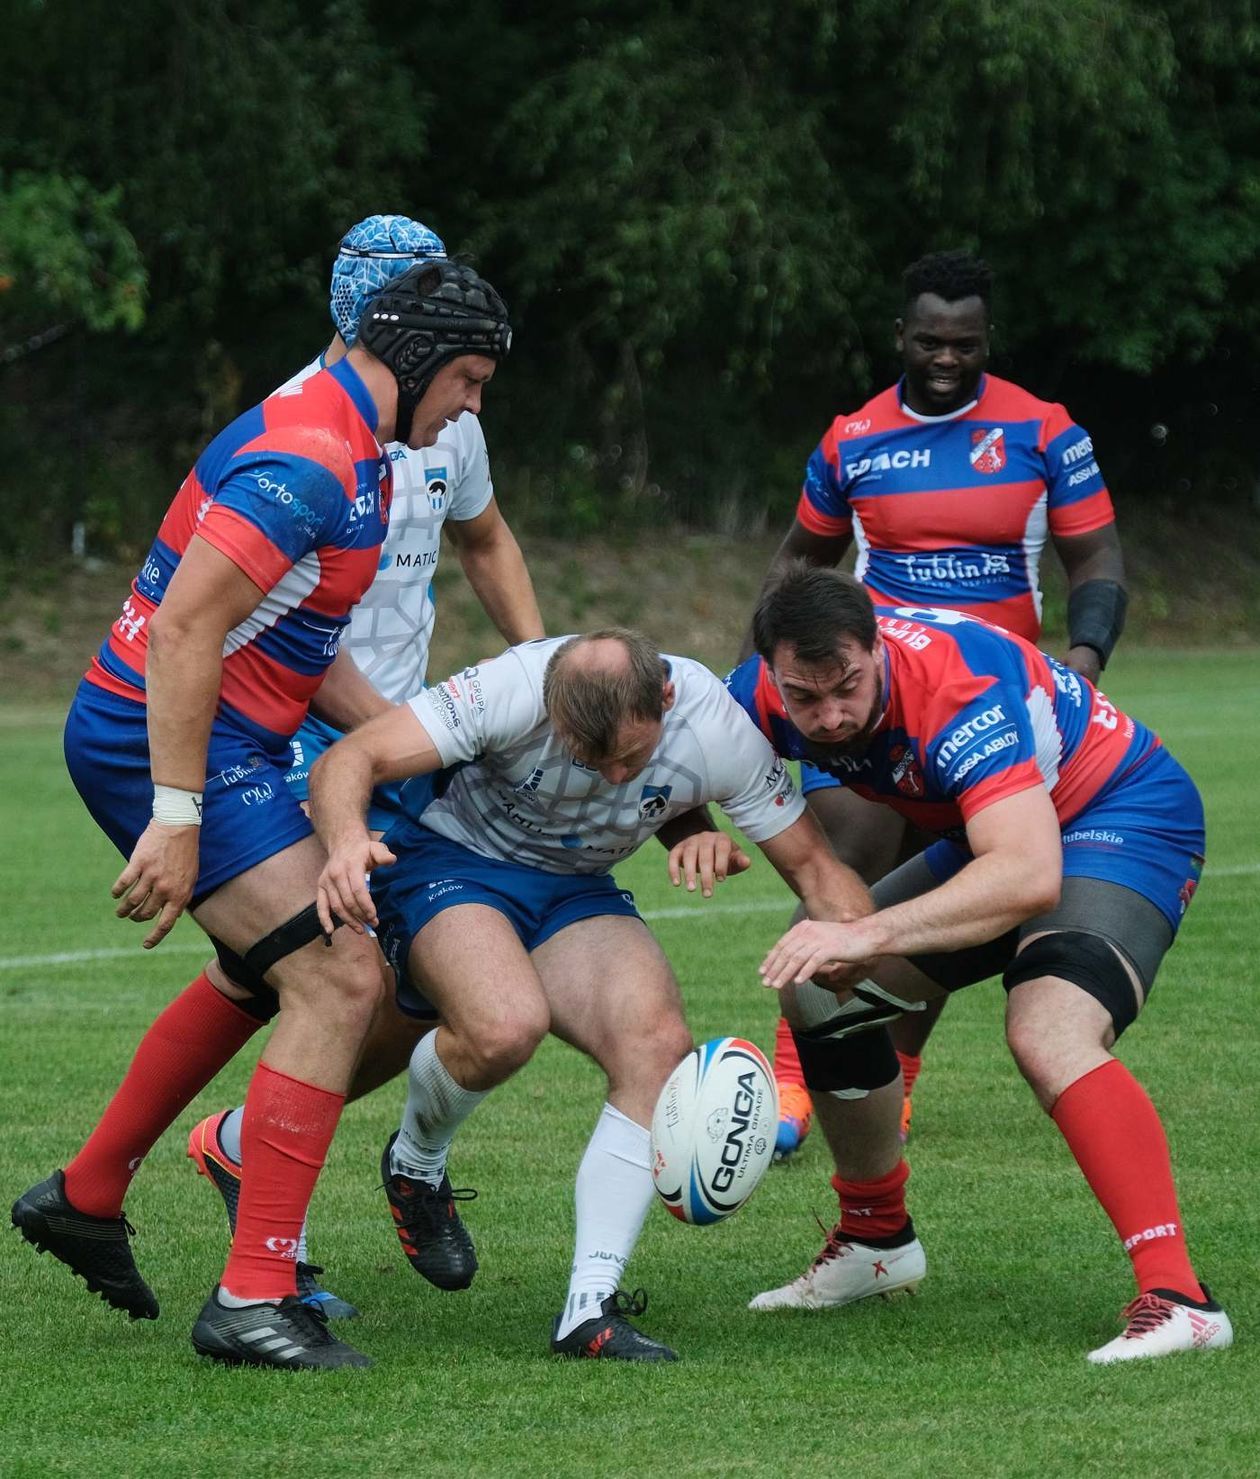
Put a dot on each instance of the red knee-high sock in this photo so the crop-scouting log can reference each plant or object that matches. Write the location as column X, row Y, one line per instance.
column 1114, row 1132
column 787, row 1064
column 911, row 1064
column 193, row 1038
column 285, row 1135
column 873, row 1209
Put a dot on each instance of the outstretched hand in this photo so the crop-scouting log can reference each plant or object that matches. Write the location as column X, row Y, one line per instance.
column 837, row 954
column 708, row 858
column 343, row 890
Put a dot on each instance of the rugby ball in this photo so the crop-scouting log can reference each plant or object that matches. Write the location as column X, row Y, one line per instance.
column 713, row 1130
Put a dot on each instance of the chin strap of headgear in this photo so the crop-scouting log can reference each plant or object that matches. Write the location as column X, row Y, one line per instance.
column 433, row 313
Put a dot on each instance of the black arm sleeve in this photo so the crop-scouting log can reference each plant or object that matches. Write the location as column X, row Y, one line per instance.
column 1096, row 616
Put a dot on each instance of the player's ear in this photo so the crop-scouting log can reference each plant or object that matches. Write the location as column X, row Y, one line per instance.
column 667, row 695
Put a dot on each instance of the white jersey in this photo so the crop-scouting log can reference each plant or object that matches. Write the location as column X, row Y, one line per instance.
column 391, row 627
column 519, row 796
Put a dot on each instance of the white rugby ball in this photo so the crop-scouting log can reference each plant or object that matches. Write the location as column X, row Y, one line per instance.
column 713, row 1130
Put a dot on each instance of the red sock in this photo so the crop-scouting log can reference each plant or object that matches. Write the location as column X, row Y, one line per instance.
column 873, row 1209
column 787, row 1064
column 910, row 1065
column 193, row 1038
column 285, row 1135
column 1112, row 1129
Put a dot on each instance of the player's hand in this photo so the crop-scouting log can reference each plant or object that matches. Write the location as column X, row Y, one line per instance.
column 834, row 953
column 342, row 889
column 159, row 880
column 707, row 857
column 1086, row 662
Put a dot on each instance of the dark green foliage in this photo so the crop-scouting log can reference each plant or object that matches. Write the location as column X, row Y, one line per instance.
column 697, row 214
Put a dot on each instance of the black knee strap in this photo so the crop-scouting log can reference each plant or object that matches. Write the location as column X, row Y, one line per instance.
column 853, row 1064
column 285, row 939
column 1088, row 961
column 262, row 1003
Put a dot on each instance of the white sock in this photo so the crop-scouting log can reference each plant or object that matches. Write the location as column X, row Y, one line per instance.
column 436, row 1107
column 230, row 1133
column 230, row 1145
column 612, row 1197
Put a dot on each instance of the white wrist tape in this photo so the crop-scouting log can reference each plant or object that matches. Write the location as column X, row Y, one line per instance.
column 175, row 808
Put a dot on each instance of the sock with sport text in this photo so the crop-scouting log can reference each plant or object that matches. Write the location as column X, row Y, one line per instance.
column 181, row 1052
column 874, row 1212
column 436, row 1107
column 287, row 1129
column 787, row 1063
column 613, row 1194
column 1114, row 1131
column 911, row 1064
column 229, row 1136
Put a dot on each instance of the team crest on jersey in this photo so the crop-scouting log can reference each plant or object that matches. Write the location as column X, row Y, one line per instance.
column 988, row 450
column 1187, row 890
column 907, row 777
column 530, row 784
column 653, row 801
column 435, row 487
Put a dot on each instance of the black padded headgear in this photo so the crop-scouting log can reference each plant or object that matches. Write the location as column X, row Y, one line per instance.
column 433, row 313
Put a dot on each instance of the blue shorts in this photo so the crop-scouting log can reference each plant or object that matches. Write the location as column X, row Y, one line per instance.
column 433, row 874
column 247, row 814
column 1147, row 834
column 310, row 742
column 813, row 779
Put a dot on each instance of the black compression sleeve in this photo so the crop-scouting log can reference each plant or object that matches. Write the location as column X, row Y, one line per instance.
column 1096, row 616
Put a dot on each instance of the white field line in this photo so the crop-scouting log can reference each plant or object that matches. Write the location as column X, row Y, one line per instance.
column 701, row 909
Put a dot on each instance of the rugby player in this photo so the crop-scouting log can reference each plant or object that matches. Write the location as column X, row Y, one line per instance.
column 1070, row 844
column 178, row 739
column 949, row 482
column 501, row 914
column 444, row 486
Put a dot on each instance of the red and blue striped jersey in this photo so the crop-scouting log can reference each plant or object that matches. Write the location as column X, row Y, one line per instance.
column 296, row 493
column 955, row 510
column 972, row 714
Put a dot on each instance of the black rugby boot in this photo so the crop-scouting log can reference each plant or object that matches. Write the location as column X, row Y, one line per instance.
column 290, row 1335
column 95, row 1248
column 436, row 1242
column 610, row 1336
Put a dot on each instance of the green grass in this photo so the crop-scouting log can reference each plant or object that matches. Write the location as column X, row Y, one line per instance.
column 981, row 1373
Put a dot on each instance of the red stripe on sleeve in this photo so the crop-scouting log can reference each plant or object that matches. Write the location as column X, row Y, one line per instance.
column 1094, row 512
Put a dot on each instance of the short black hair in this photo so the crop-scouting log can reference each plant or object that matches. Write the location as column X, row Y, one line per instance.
column 812, row 610
column 950, row 275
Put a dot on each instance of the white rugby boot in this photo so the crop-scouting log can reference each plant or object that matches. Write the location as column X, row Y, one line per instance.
column 1162, row 1323
column 846, row 1271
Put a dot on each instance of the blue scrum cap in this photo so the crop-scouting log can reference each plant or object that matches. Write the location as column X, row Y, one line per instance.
column 370, row 256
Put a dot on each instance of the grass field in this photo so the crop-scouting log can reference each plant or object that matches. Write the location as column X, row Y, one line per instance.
column 982, row 1373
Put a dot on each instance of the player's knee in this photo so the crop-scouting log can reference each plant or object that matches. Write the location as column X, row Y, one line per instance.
column 848, row 1067
column 348, row 988
column 666, row 1045
column 501, row 1046
column 1094, row 996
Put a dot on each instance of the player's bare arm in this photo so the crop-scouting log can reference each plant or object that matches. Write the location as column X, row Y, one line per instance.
column 496, row 570
column 1016, row 873
column 799, row 543
column 803, row 858
column 1093, row 557
column 390, row 747
column 346, row 699
column 207, row 597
